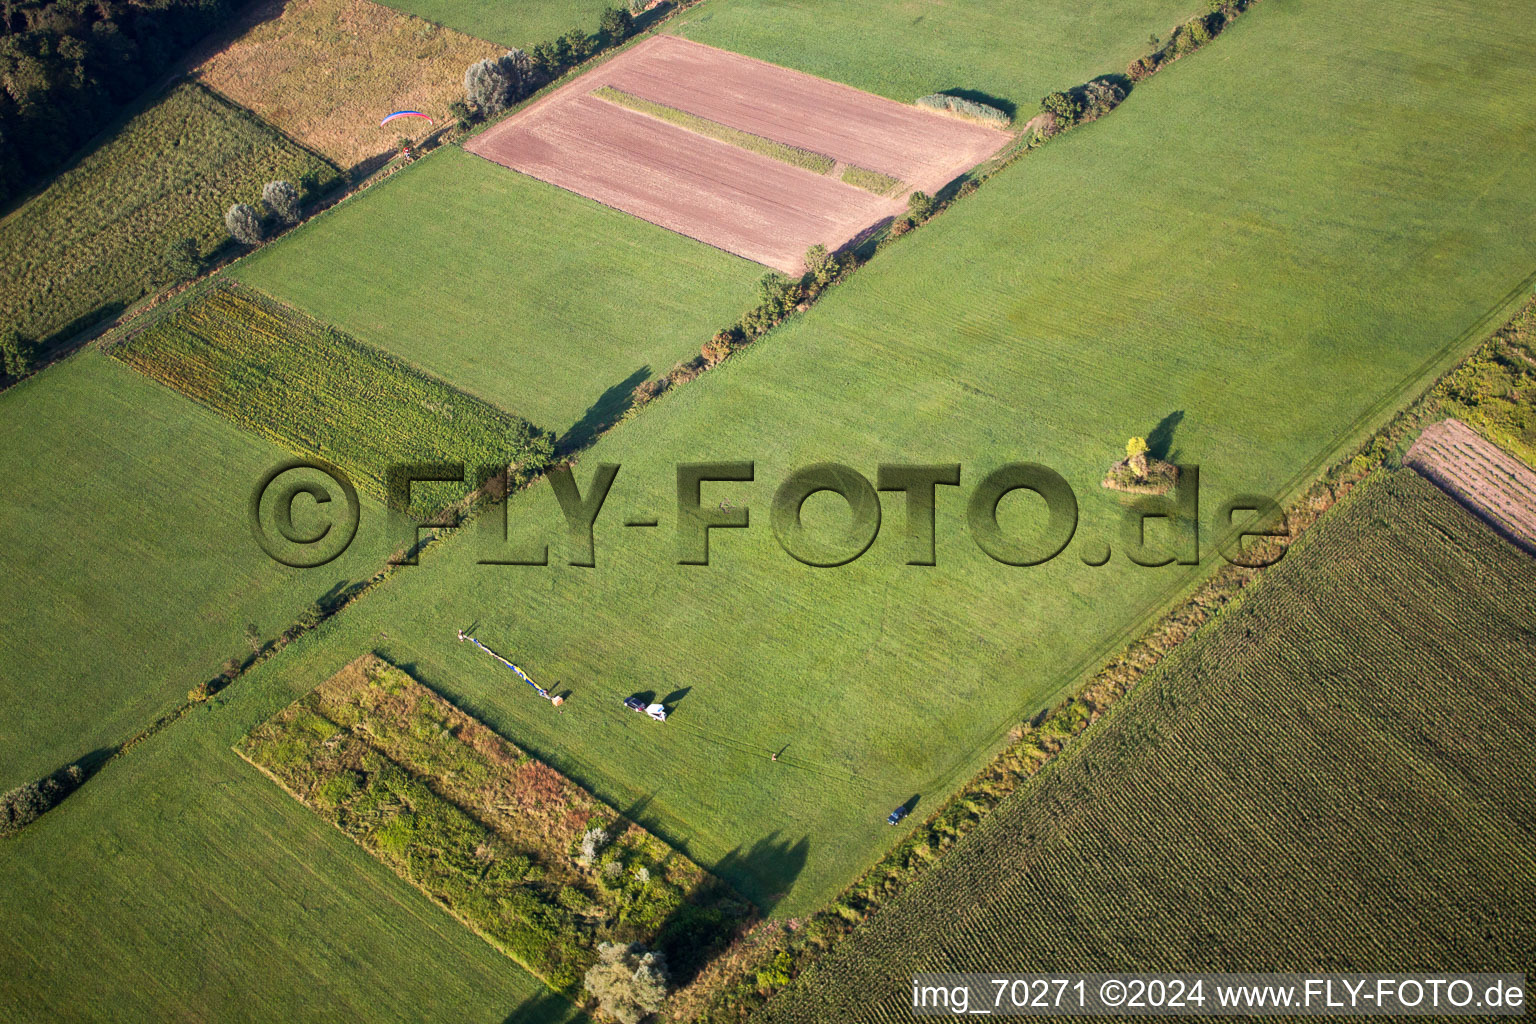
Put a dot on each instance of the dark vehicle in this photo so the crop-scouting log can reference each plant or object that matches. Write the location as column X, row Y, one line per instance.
column 634, row 704
column 897, row 815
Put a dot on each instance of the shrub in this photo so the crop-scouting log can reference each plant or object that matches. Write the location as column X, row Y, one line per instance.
column 244, row 224
column 822, row 266
column 617, row 24
column 18, row 354
column 282, row 199
column 1100, row 96
column 1061, row 106
column 900, row 226
column 965, row 108
column 461, row 113
column 182, row 260
column 629, row 982
column 1140, row 68
column 592, row 842
column 578, row 44
column 716, row 348
column 920, row 206
column 490, row 85
column 26, row 803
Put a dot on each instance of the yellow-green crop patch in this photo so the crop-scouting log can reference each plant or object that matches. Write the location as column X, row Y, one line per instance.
column 318, row 392
column 513, row 849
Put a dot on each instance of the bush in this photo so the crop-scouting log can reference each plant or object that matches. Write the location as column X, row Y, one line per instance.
column 26, row 803
column 822, row 266
column 716, row 348
column 920, row 206
column 592, row 843
column 617, row 24
column 244, row 224
column 182, row 260
column 965, row 108
column 1100, row 96
column 629, row 982
column 578, row 45
column 18, row 354
column 1063, row 107
column 491, row 85
column 282, row 199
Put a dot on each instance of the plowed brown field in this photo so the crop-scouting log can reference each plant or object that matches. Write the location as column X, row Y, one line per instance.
column 725, row 196
column 1481, row 475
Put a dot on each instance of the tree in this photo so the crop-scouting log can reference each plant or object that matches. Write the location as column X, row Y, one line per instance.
column 182, row 260
column 18, row 354
column 244, row 224
column 820, row 264
column 492, row 84
column 1062, row 107
column 579, row 45
column 1136, row 455
column 920, row 205
column 282, row 199
column 461, row 113
column 629, row 982
column 617, row 24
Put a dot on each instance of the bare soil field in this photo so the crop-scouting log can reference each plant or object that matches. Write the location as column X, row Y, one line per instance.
column 1481, row 475
column 326, row 72
column 728, row 197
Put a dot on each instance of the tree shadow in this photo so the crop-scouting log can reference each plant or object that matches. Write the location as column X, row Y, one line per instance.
column 1160, row 440
column 543, row 1008
column 604, row 413
column 765, row 872
column 646, row 19
column 364, row 169
column 676, row 696
column 977, row 96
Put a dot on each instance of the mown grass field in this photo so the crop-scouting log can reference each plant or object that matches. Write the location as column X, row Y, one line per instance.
column 96, row 239
column 130, row 569
column 993, row 50
column 1336, row 772
column 326, row 72
column 1294, row 261
column 520, row 24
column 529, row 297
column 314, row 391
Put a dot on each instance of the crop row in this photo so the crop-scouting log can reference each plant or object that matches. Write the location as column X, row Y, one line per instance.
column 318, row 392
column 1335, row 772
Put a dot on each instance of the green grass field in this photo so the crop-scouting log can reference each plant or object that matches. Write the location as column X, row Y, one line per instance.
column 1337, row 771
column 314, row 391
column 1007, row 51
column 180, row 884
column 530, row 297
column 520, row 24
column 131, row 572
column 96, row 239
column 1295, row 259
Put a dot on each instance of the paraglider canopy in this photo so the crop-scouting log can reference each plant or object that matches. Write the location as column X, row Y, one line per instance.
column 405, row 113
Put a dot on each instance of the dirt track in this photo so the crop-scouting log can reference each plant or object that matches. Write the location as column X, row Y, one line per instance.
column 739, row 201
column 1481, row 475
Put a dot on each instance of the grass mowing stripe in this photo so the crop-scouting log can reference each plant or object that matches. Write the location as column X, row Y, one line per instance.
column 872, row 181
column 314, row 390
column 793, row 155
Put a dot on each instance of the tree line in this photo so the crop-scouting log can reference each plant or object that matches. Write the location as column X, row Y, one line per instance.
column 68, row 67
